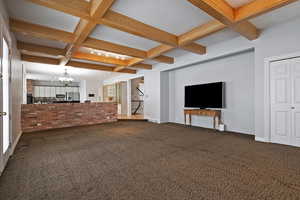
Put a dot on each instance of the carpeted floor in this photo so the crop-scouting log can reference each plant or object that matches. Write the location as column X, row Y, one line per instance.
column 141, row 160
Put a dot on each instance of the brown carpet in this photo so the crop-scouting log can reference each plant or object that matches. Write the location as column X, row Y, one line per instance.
column 141, row 160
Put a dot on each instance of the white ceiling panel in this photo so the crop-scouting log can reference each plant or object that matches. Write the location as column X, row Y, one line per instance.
column 33, row 13
column 150, row 62
column 122, row 38
column 43, row 42
column 278, row 16
column 53, row 71
column 176, row 53
column 238, row 3
column 173, row 16
column 220, row 36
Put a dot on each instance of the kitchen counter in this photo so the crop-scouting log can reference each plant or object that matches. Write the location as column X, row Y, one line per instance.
column 36, row 117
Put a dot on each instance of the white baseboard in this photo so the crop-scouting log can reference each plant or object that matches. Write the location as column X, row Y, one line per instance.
column 260, row 139
column 12, row 150
column 153, row 120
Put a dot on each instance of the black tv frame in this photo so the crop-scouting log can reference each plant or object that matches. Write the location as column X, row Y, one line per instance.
column 199, row 107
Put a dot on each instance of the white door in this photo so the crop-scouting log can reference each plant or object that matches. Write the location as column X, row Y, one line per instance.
column 295, row 73
column 285, row 102
column 5, row 104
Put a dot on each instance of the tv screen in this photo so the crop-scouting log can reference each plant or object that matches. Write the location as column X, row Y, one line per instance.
column 209, row 95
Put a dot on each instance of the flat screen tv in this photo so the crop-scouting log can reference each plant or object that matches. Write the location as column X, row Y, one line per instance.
column 204, row 96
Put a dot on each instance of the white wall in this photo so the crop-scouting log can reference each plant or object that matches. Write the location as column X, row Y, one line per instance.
column 276, row 41
column 152, row 95
column 237, row 72
column 94, row 86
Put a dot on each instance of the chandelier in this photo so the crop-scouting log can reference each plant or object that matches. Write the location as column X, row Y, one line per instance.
column 66, row 78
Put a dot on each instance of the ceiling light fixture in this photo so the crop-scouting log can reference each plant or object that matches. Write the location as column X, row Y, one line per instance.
column 66, row 78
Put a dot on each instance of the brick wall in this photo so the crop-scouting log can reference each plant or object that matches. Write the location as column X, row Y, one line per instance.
column 36, row 117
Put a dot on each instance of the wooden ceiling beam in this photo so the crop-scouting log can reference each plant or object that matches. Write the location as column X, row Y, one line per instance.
column 158, row 50
column 142, row 66
column 201, row 31
column 97, row 58
column 114, row 48
column 98, row 67
column 38, row 59
column 218, row 9
column 256, row 8
column 40, row 31
column 164, row 59
column 247, row 29
column 122, row 22
column 195, row 48
column 66, row 37
column 97, row 9
column 223, row 12
column 183, row 40
column 132, row 26
column 76, row 8
column 40, row 49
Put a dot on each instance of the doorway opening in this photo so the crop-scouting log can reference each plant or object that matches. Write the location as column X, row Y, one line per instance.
column 5, row 104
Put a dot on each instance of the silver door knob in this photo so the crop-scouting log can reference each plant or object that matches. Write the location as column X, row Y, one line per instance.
column 3, row 113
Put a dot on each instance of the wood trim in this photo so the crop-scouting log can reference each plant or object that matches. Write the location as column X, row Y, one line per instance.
column 218, row 9
column 37, row 59
column 98, row 8
column 201, row 31
column 142, row 66
column 195, row 48
column 76, row 8
column 40, row 31
column 224, row 13
column 132, row 26
column 40, row 49
column 115, row 48
column 260, row 7
column 97, row 58
column 246, row 29
column 157, row 51
column 97, row 67
column 164, row 59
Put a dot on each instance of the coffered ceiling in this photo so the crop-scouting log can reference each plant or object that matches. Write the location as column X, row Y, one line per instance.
column 100, row 34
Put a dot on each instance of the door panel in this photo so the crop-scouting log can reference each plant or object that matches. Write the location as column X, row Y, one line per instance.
column 285, row 101
column 5, row 98
column 296, row 90
column 281, row 98
column 297, row 125
column 295, row 76
column 282, row 123
column 281, row 92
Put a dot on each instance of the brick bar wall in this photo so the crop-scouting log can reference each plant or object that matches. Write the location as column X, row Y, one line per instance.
column 37, row 117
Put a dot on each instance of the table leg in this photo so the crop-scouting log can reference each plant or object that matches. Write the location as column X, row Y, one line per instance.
column 214, row 122
column 184, row 118
column 190, row 120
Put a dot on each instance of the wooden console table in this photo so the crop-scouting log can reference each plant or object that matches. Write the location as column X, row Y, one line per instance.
column 203, row 112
